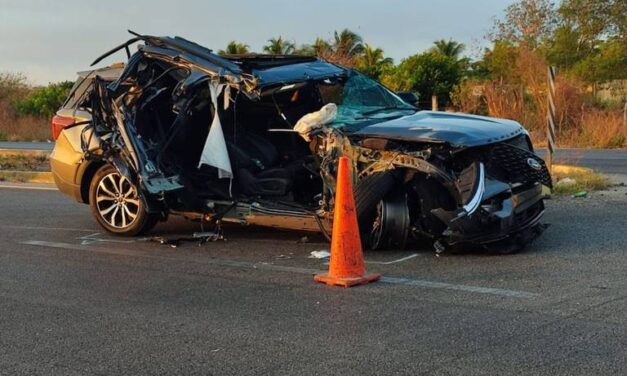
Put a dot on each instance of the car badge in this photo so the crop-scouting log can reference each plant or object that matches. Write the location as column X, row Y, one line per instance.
column 534, row 164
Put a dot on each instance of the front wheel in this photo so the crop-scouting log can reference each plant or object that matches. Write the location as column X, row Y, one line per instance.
column 116, row 205
column 368, row 192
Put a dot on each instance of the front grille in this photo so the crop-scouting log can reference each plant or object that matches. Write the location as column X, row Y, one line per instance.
column 514, row 165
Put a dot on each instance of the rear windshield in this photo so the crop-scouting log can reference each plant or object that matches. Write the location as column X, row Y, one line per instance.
column 83, row 85
column 78, row 93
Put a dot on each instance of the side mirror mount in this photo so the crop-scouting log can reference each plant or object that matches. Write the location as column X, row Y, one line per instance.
column 409, row 97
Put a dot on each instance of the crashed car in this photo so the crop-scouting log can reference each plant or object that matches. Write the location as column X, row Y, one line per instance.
column 255, row 139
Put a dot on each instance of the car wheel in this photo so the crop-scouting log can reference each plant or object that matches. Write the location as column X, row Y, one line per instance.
column 116, row 204
column 369, row 191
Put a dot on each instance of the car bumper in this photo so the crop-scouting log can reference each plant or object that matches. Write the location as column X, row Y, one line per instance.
column 67, row 163
column 502, row 214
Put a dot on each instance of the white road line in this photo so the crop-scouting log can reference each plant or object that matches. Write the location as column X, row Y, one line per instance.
column 465, row 288
column 393, row 261
column 45, row 228
column 27, row 187
column 287, row 269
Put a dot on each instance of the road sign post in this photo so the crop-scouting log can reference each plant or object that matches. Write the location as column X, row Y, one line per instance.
column 550, row 115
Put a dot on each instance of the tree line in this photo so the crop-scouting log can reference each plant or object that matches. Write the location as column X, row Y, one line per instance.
column 584, row 39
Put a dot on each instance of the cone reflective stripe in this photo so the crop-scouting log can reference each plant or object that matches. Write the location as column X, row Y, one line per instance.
column 346, row 266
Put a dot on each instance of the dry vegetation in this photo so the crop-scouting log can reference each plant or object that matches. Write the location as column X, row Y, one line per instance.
column 23, row 127
column 25, row 162
column 581, row 119
column 18, row 168
column 15, row 126
column 25, row 111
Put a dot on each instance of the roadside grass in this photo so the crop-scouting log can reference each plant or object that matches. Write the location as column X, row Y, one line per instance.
column 36, row 163
column 26, row 177
column 584, row 179
column 25, row 168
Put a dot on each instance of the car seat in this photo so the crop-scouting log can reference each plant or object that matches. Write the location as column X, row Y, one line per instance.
column 255, row 162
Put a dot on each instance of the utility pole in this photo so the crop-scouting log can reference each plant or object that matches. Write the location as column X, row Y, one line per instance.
column 550, row 116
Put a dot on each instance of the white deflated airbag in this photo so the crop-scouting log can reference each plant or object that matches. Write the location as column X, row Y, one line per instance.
column 215, row 152
column 315, row 120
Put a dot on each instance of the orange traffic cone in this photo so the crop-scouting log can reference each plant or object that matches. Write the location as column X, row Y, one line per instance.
column 346, row 267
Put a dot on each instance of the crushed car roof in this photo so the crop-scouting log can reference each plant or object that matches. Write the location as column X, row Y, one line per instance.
column 272, row 69
column 262, row 69
column 109, row 73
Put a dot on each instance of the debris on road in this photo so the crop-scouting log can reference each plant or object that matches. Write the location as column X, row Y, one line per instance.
column 200, row 237
column 322, row 254
column 580, row 194
column 285, row 257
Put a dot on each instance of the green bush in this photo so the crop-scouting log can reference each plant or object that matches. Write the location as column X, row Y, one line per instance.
column 429, row 73
column 44, row 101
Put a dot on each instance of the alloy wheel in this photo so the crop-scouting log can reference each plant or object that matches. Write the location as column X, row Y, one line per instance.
column 117, row 201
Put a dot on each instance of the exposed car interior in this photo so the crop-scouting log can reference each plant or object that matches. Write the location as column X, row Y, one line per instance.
column 172, row 117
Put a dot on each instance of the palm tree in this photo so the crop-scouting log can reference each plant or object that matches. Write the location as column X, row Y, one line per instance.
column 372, row 61
column 347, row 43
column 279, row 46
column 319, row 48
column 235, row 48
column 449, row 47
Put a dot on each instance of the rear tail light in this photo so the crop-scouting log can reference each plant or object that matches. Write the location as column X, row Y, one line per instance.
column 58, row 123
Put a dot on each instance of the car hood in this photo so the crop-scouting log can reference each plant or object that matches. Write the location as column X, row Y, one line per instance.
column 456, row 129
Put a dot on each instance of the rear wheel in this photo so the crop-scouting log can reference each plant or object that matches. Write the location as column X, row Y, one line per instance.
column 116, row 204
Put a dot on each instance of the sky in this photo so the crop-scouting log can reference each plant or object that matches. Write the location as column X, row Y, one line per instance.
column 50, row 40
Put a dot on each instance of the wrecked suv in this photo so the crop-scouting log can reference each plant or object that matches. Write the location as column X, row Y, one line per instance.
column 255, row 139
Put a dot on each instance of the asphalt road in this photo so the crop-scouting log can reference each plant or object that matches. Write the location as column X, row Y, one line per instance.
column 74, row 301
column 610, row 161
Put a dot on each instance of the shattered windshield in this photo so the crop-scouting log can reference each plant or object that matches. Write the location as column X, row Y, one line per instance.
column 361, row 101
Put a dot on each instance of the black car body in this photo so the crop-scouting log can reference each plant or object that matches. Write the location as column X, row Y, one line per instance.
column 450, row 179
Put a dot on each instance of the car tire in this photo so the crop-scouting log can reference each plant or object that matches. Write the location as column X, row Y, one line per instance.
column 368, row 192
column 430, row 194
column 116, row 204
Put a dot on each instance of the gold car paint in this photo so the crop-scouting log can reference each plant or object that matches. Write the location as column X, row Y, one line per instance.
column 66, row 160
